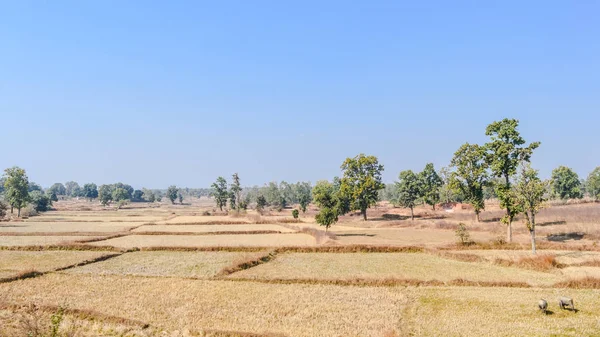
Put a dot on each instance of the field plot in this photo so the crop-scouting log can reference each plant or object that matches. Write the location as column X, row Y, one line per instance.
column 472, row 311
column 404, row 237
column 245, row 240
column 41, row 240
column 192, row 219
column 66, row 227
column 419, row 266
column 179, row 304
column 211, row 228
column 562, row 256
column 163, row 263
column 14, row 262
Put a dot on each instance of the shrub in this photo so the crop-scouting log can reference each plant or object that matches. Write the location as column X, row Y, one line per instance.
column 3, row 208
column 295, row 213
column 463, row 234
column 206, row 213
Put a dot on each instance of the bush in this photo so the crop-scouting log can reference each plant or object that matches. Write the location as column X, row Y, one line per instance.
column 206, row 213
column 463, row 234
column 295, row 213
column 3, row 208
column 40, row 201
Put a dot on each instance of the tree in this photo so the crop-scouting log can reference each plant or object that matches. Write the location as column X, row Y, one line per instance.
column 261, row 202
column 3, row 207
column 40, row 201
column 566, row 184
column 180, row 197
column 530, row 191
column 273, row 195
column 58, row 189
column 470, row 175
column 593, row 184
column 325, row 196
column 431, row 183
column 52, row 196
column 303, row 194
column 126, row 187
column 361, row 182
column 287, row 193
column 90, row 191
column 504, row 153
column 232, row 203
column 138, row 195
column 72, row 189
column 410, row 189
column 119, row 194
column 16, row 185
column 172, row 193
column 34, row 187
column 220, row 192
column 148, row 195
column 236, row 189
column 105, row 194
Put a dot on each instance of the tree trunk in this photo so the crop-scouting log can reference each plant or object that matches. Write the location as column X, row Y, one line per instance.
column 477, row 216
column 11, row 209
column 532, row 232
column 509, row 218
column 433, row 206
column 19, row 212
column 412, row 214
column 364, row 213
column 509, row 231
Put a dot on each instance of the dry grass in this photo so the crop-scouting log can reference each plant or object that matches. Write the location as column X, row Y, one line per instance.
column 67, row 227
column 211, row 228
column 224, row 305
column 15, row 262
column 247, row 240
column 403, row 237
column 542, row 262
column 40, row 240
column 163, row 263
column 195, row 219
column 500, row 312
column 424, row 267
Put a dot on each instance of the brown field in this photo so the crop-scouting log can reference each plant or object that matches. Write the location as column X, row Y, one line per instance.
column 208, row 275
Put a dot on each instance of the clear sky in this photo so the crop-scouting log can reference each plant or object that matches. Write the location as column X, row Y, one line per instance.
column 179, row 92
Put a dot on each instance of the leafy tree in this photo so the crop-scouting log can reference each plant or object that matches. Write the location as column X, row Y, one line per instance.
column 361, row 182
column 172, row 192
column 303, row 195
column 58, row 189
column 236, row 190
column 593, row 184
column 431, row 185
column 410, row 189
column 16, row 185
column 273, row 195
column 3, row 207
column 220, row 192
column 470, row 176
column 325, row 196
column 295, row 213
column 566, row 184
column 261, row 203
column 90, row 191
column 34, row 187
column 148, row 195
column 505, row 152
column 40, row 201
column 158, row 198
column 72, row 189
column 287, row 193
column 119, row 194
column 530, row 191
column 138, row 195
column 232, row 201
column 126, row 187
column 105, row 194
column 53, row 196
column 180, row 197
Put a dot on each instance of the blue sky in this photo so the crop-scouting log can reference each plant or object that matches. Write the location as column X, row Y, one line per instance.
column 179, row 92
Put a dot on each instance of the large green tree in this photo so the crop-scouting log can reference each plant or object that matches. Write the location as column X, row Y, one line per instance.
column 90, row 191
column 72, row 189
column 593, row 184
column 16, row 186
column 470, row 175
column 361, row 182
column 530, row 191
column 303, row 194
column 409, row 189
column 236, row 189
column 58, row 189
column 566, row 183
column 40, row 201
column 105, row 195
column 172, row 192
column 325, row 196
column 505, row 151
column 432, row 184
column 220, row 192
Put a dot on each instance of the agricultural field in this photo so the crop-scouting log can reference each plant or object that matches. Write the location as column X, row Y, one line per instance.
column 169, row 270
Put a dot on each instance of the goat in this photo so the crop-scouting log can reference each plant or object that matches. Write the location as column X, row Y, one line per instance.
column 566, row 303
column 543, row 305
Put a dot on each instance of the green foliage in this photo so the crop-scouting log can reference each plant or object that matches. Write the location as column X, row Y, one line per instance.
column 138, row 195
column 3, row 208
column 303, row 194
column 261, row 203
column 530, row 191
column 119, row 194
column 295, row 213
column 90, row 191
column 72, row 189
column 105, row 194
column 566, row 184
column 180, row 197
column 58, row 189
column 220, row 192
column 172, row 192
column 593, row 184
column 34, row 187
column 148, row 195
column 361, row 182
column 463, row 234
column 409, row 189
column 431, row 183
column 470, row 175
column 16, row 185
column 326, row 197
column 273, row 195
column 53, row 196
column 504, row 153
column 40, row 201
column 236, row 190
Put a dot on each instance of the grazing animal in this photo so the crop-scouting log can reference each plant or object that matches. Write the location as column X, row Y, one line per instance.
column 543, row 305
column 566, row 303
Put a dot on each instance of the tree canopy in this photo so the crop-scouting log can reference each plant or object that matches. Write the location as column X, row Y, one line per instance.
column 361, row 182
column 431, row 183
column 220, row 192
column 566, row 184
column 409, row 190
column 593, row 183
column 172, row 192
column 16, row 185
column 470, row 175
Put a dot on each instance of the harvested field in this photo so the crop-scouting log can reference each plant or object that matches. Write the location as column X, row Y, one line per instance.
column 192, row 219
column 417, row 266
column 66, row 227
column 562, row 256
column 501, row 312
column 14, row 262
column 245, row 240
column 403, row 237
column 179, row 304
column 211, row 228
column 41, row 240
column 164, row 263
